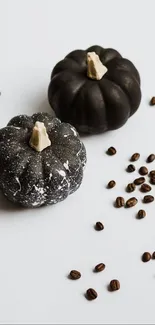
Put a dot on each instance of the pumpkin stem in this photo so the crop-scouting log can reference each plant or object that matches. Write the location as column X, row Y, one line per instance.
column 96, row 69
column 39, row 139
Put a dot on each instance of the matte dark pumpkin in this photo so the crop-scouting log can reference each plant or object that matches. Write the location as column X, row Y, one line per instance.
column 94, row 106
column 35, row 178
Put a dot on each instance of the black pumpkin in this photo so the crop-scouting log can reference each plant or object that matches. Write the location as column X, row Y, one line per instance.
column 41, row 160
column 95, row 89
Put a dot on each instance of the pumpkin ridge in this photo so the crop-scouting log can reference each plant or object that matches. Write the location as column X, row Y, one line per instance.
column 75, row 55
column 59, row 90
column 55, row 72
column 133, row 106
column 95, row 48
column 104, row 100
column 17, row 153
column 62, row 169
column 119, row 87
column 120, row 93
column 70, row 177
column 22, row 176
column 109, row 51
column 75, row 96
column 22, row 121
column 90, row 109
column 57, row 158
column 124, row 64
column 19, row 175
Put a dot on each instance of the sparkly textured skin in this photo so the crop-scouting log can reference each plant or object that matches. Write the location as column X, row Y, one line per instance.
column 32, row 178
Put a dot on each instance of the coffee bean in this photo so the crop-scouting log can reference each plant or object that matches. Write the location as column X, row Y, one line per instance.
column 152, row 173
column 114, row 285
column 153, row 256
column 91, row 294
column 75, row 275
column 139, row 181
column 148, row 198
column 152, row 101
column 143, row 170
column 119, row 202
column 111, row 184
column 99, row 226
column 131, row 168
column 145, row 188
column 100, row 267
column 135, row 157
column 141, row 214
column 151, row 158
column 146, row 257
column 152, row 180
column 130, row 187
column 111, row 151
column 131, row 202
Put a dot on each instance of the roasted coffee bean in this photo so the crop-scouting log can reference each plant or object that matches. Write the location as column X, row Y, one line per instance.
column 91, row 294
column 135, row 157
column 148, row 198
column 131, row 168
column 99, row 226
column 139, row 181
column 152, row 101
column 114, row 285
column 111, row 184
column 141, row 214
column 151, row 158
column 152, row 180
column 153, row 256
column 100, row 267
column 75, row 275
column 146, row 257
column 131, row 202
column 152, row 173
column 111, row 151
column 145, row 188
column 130, row 187
column 119, row 202
column 143, row 170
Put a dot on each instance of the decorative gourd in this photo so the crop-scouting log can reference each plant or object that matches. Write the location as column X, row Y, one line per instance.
column 95, row 90
column 41, row 160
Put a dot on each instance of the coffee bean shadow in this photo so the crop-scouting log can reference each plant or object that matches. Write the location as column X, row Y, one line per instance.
column 114, row 205
column 85, row 295
column 108, row 288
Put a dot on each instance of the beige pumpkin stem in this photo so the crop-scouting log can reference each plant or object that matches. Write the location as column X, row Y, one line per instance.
column 39, row 139
column 95, row 68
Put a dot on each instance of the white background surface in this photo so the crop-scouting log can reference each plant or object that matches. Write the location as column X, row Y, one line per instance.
column 39, row 247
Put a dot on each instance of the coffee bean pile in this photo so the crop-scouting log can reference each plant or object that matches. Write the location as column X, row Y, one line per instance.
column 120, row 202
column 131, row 202
column 131, row 187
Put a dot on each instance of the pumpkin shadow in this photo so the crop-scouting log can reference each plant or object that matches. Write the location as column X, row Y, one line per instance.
column 8, row 206
column 42, row 105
